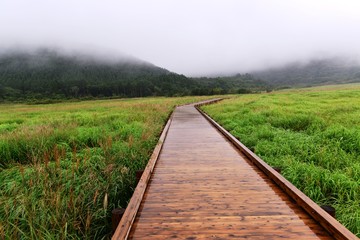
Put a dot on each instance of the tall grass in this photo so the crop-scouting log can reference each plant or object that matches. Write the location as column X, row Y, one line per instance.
column 64, row 167
column 312, row 134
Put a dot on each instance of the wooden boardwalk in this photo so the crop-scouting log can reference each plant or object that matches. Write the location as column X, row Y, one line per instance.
column 203, row 187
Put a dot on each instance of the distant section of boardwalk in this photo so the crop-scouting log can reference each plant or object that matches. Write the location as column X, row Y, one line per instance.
column 203, row 187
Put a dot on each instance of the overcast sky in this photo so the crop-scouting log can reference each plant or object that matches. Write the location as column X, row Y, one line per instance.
column 192, row 37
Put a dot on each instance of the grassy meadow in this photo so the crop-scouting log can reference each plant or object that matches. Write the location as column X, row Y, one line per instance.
column 64, row 167
column 312, row 134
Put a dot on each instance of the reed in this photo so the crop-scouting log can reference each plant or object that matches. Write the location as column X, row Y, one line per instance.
column 312, row 134
column 65, row 166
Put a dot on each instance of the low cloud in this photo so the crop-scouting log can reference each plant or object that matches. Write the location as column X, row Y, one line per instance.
column 189, row 37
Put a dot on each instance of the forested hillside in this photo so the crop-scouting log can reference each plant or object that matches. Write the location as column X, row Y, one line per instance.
column 46, row 74
column 239, row 83
column 313, row 73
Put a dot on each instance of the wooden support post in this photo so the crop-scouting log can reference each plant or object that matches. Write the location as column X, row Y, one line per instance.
column 330, row 210
column 138, row 175
column 116, row 216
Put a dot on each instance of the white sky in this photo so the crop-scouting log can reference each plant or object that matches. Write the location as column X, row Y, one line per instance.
column 192, row 37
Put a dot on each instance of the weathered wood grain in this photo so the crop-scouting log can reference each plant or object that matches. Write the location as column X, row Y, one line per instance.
column 205, row 187
column 330, row 224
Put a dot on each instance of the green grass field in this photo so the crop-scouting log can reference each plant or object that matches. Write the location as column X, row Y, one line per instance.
column 312, row 134
column 64, row 167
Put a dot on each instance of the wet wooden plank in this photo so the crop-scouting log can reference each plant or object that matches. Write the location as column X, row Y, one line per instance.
column 331, row 225
column 203, row 187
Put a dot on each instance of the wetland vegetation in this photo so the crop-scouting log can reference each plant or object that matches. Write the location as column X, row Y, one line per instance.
column 65, row 166
column 312, row 134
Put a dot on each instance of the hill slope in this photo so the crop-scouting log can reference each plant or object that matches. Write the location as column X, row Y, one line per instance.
column 46, row 74
column 315, row 72
column 238, row 83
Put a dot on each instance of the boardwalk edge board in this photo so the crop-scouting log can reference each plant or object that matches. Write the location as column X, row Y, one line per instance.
column 124, row 227
column 330, row 224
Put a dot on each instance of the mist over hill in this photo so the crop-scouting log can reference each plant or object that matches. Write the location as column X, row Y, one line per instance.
column 335, row 70
column 49, row 74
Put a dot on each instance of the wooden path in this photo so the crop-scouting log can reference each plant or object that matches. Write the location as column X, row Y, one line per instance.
column 203, row 187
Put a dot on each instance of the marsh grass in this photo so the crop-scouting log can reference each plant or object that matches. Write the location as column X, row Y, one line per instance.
column 64, row 167
column 312, row 134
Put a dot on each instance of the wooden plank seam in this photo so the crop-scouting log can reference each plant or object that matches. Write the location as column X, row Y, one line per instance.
column 315, row 211
column 124, row 227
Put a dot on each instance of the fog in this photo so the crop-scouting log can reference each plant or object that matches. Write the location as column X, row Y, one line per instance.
column 194, row 37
